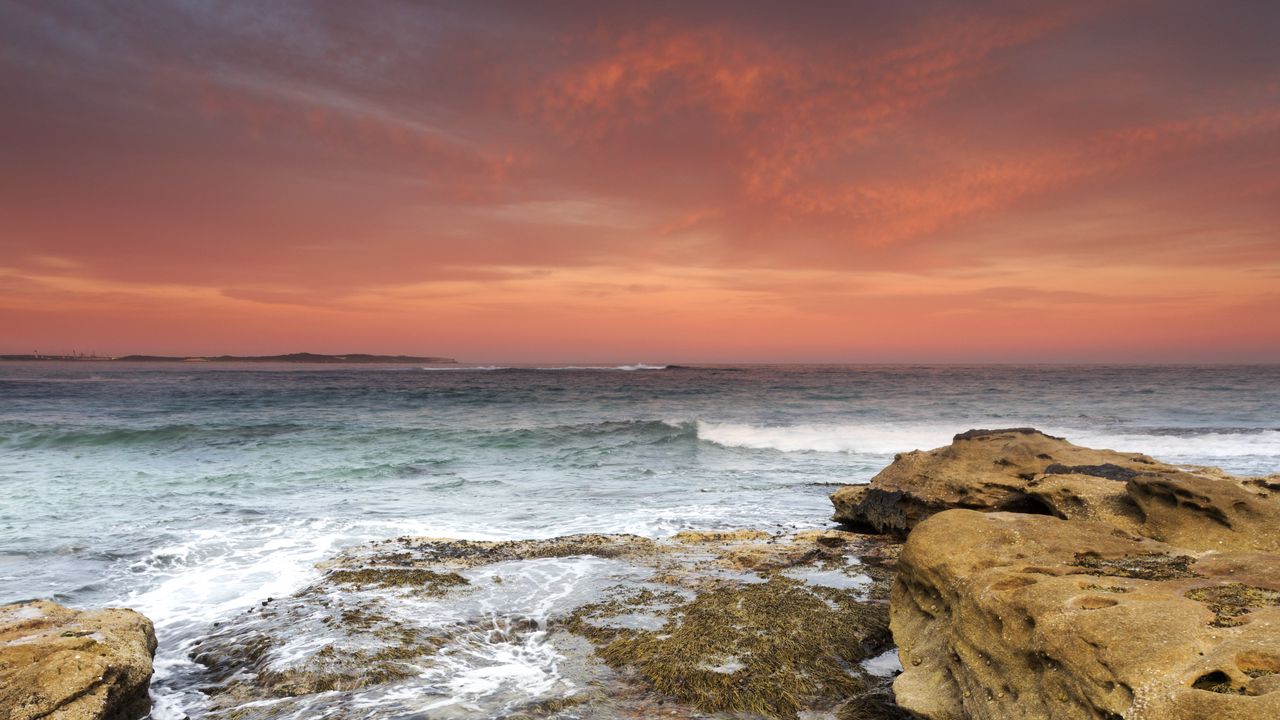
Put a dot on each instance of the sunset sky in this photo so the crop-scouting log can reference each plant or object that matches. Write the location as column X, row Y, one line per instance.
column 647, row 181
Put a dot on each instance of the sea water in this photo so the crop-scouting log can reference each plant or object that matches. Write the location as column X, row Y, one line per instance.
column 193, row 491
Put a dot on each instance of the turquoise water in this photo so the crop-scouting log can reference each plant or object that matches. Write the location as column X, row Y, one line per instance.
column 192, row 491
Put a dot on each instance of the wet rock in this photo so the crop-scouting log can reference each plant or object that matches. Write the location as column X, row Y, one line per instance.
column 719, row 536
column 451, row 553
column 427, row 582
column 56, row 662
column 1022, row 470
column 738, row 622
column 1007, row 615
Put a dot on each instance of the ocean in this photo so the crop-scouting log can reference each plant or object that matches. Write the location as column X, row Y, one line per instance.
column 193, row 491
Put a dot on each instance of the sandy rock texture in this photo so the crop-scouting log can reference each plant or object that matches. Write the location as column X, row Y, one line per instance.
column 1024, row 470
column 1007, row 615
column 65, row 664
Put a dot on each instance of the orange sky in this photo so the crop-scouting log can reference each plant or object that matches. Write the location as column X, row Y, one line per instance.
column 659, row 182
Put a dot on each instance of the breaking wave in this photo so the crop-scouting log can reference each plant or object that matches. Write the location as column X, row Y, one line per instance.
column 1192, row 445
column 869, row 439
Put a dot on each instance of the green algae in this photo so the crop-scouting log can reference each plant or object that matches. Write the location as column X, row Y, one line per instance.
column 549, row 708
column 410, row 551
column 768, row 648
column 1149, row 566
column 1105, row 588
column 426, row 582
column 873, row 703
column 1230, row 603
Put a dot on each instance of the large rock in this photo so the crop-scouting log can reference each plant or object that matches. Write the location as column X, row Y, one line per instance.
column 60, row 663
column 1008, row 615
column 1024, row 470
column 979, row 470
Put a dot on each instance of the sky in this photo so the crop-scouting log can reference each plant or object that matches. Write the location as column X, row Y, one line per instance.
column 892, row 181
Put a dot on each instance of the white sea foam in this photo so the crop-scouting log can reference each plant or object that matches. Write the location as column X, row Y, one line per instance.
column 868, row 439
column 1183, row 447
column 500, row 665
column 884, row 665
column 1187, row 446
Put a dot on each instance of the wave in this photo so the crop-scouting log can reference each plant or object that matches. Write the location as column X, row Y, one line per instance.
column 1199, row 446
column 29, row 436
column 860, row 438
column 1190, row 445
column 476, row 368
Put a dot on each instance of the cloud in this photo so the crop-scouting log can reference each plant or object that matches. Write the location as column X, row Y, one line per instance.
column 574, row 164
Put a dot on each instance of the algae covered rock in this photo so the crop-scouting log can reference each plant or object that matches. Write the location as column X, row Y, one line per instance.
column 768, row 648
column 56, row 662
column 1007, row 615
column 744, row 624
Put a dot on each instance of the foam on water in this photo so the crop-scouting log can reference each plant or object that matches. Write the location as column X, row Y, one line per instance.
column 886, row 664
column 1233, row 449
column 1189, row 446
column 860, row 438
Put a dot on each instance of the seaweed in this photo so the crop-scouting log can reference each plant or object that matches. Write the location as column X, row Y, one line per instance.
column 426, row 582
column 1149, row 566
column 769, row 648
column 1230, row 603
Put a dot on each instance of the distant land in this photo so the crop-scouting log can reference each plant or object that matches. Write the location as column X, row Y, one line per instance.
column 310, row 358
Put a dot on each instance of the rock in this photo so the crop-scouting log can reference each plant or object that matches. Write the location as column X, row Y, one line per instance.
column 1207, row 512
column 56, row 662
column 979, row 470
column 719, row 536
column 1009, row 615
column 453, row 554
column 1023, row 470
column 743, row 622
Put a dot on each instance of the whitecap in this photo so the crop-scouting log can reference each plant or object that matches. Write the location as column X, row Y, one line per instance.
column 868, row 439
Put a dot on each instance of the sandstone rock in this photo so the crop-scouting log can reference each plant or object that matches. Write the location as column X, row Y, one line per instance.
column 1024, row 470
column 1203, row 512
column 1009, row 615
column 979, row 470
column 60, row 663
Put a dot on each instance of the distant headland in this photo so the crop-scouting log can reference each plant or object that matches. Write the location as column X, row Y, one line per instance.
column 304, row 357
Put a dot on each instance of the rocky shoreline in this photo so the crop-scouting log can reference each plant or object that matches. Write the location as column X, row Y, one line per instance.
column 1038, row 579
